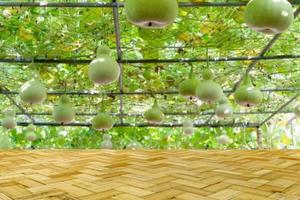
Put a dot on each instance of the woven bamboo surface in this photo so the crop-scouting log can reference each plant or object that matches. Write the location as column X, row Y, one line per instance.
column 151, row 175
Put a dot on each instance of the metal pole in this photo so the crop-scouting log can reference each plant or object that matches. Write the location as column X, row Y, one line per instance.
column 119, row 52
column 142, row 125
column 149, row 61
column 259, row 138
column 109, row 5
column 91, row 93
column 217, row 59
column 165, row 113
column 279, row 109
column 18, row 106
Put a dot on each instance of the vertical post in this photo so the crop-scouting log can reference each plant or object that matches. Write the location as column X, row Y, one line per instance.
column 258, row 138
column 292, row 134
column 119, row 52
column 291, row 123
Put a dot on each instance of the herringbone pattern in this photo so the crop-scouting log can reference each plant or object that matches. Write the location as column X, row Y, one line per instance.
column 151, row 175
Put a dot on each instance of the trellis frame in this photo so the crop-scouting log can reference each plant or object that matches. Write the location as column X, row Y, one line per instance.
column 115, row 8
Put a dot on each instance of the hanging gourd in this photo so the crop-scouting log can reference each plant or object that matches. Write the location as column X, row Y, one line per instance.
column 30, row 128
column 64, row 112
column 188, row 87
column 104, row 69
column 224, row 140
column 31, row 136
column 269, row 16
column 33, row 92
column 208, row 90
column 102, row 122
column 188, row 126
column 5, row 142
column 30, row 133
column 106, row 143
column 297, row 111
column 223, row 110
column 9, row 121
column 246, row 94
column 154, row 115
column 134, row 145
column 151, row 13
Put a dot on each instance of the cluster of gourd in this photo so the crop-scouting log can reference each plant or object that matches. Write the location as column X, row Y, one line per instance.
column 266, row 16
column 209, row 91
column 9, row 122
column 102, row 71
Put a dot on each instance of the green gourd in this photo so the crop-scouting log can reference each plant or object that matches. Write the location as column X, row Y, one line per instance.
column 188, row 127
column 64, row 112
column 134, row 145
column 106, row 143
column 9, row 121
column 154, row 115
column 151, row 13
column 208, row 90
column 104, row 69
column 30, row 128
column 247, row 95
column 223, row 110
column 269, row 16
column 31, row 136
column 33, row 92
column 188, row 87
column 224, row 140
column 5, row 142
column 102, row 122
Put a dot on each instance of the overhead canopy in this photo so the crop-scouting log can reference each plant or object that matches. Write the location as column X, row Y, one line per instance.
column 58, row 40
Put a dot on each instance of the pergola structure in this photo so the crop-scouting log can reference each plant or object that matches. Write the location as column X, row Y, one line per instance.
column 115, row 6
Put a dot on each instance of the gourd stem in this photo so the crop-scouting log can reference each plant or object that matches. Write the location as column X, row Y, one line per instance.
column 155, row 105
column 65, row 83
column 102, row 50
column 102, row 106
column 64, row 99
column 223, row 100
column 36, row 74
column 207, row 58
column 247, row 80
column 191, row 75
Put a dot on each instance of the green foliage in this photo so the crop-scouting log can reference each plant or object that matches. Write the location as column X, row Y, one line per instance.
column 64, row 33
column 150, row 138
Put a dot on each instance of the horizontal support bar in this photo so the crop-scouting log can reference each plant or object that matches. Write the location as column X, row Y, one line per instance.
column 89, row 93
column 144, row 125
column 219, row 59
column 137, row 61
column 166, row 113
column 111, row 5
